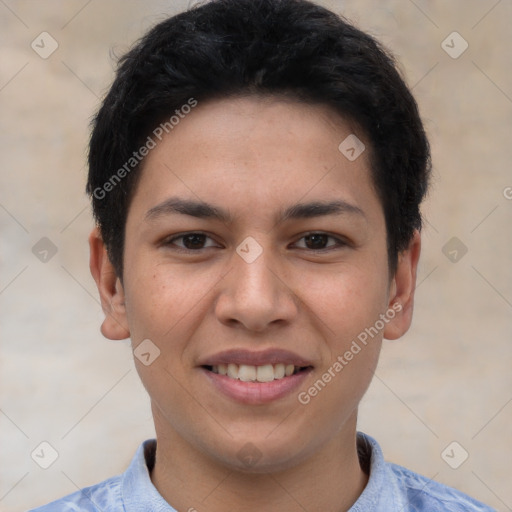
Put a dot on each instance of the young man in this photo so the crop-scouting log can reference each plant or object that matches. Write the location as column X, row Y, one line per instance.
column 256, row 172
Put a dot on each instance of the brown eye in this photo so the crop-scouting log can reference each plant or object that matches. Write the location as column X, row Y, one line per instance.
column 193, row 241
column 319, row 241
column 316, row 241
column 190, row 242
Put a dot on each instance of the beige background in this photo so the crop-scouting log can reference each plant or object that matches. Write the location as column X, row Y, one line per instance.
column 449, row 379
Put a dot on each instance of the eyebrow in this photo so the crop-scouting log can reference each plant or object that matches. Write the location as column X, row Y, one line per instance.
column 203, row 210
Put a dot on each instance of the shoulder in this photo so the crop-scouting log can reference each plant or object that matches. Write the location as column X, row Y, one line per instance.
column 394, row 488
column 424, row 494
column 103, row 496
column 129, row 489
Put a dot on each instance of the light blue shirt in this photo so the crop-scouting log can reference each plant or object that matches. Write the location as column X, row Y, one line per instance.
column 390, row 488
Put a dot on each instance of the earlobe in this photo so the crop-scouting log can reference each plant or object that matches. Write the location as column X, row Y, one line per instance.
column 110, row 288
column 403, row 285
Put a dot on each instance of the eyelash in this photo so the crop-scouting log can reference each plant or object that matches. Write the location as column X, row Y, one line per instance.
column 169, row 242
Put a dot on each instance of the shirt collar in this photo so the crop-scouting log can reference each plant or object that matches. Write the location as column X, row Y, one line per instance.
column 382, row 490
column 140, row 495
column 138, row 492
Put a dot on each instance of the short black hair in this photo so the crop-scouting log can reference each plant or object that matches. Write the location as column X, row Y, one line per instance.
column 228, row 48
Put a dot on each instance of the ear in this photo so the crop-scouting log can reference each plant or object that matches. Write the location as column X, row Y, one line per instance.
column 111, row 290
column 402, row 287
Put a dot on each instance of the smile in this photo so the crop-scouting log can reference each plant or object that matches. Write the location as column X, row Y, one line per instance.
column 255, row 377
column 251, row 373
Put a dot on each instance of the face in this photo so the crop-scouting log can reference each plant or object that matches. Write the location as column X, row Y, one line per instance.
column 255, row 247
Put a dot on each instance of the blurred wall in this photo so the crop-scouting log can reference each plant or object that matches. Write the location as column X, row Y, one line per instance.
column 448, row 380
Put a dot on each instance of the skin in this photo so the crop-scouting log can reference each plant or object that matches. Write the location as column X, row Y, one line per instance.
column 254, row 157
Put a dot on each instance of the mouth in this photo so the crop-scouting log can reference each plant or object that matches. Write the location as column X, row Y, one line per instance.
column 256, row 378
column 260, row 373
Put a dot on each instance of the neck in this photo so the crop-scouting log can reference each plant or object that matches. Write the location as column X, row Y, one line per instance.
column 331, row 479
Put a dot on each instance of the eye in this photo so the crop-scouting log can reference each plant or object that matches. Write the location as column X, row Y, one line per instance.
column 318, row 241
column 193, row 241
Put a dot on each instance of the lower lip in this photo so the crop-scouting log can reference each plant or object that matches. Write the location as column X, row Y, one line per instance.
column 256, row 392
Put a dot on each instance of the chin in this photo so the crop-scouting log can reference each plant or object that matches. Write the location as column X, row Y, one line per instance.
column 259, row 455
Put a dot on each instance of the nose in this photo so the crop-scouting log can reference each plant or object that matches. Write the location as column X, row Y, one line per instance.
column 255, row 295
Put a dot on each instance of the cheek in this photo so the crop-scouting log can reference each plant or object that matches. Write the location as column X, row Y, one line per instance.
column 349, row 305
column 152, row 303
column 348, row 300
column 349, row 311
column 165, row 304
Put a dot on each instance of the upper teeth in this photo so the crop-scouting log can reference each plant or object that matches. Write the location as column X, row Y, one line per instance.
column 248, row 373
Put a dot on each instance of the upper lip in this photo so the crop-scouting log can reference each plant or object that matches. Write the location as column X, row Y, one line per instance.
column 255, row 358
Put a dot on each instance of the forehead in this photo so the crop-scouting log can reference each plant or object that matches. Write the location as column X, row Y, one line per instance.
column 255, row 153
